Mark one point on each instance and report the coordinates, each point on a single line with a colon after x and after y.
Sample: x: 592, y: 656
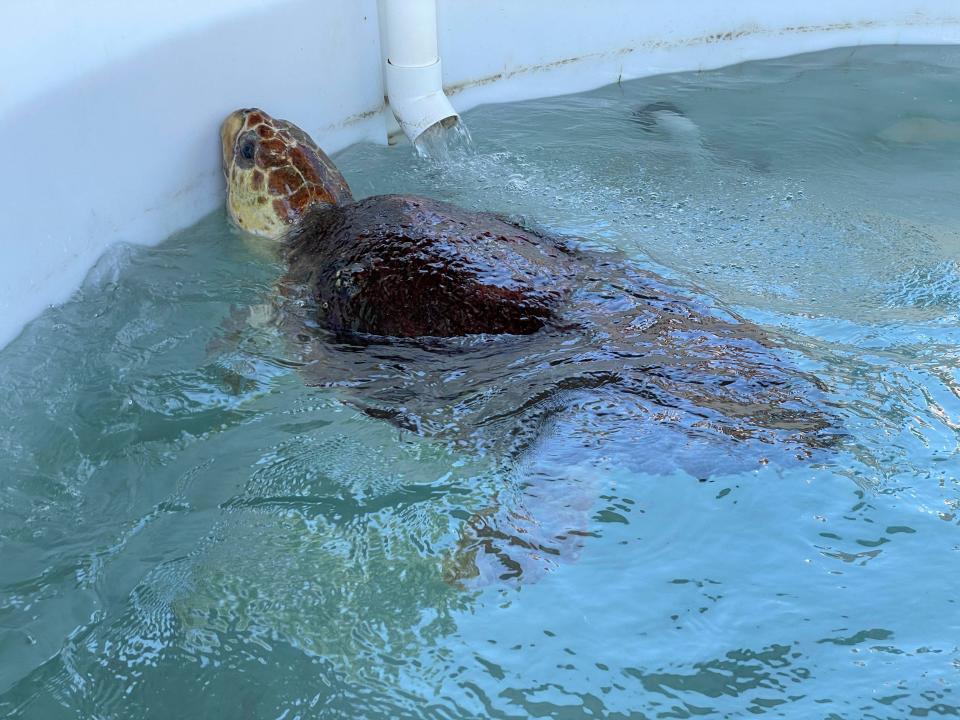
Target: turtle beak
x: 229, y: 130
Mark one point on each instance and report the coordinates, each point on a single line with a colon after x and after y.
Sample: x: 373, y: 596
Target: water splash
x: 445, y: 143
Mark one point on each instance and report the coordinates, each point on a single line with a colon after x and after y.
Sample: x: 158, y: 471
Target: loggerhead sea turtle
x: 465, y: 326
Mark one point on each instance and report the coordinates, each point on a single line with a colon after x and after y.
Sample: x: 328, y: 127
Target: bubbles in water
x: 934, y: 286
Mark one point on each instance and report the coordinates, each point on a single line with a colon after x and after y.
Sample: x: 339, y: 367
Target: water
x: 190, y: 528
x: 445, y: 143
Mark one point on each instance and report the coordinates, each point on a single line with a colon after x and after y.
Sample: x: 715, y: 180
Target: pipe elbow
x: 416, y: 96
x: 413, y: 80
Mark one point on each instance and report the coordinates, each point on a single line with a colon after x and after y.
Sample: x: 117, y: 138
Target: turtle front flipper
x: 522, y: 539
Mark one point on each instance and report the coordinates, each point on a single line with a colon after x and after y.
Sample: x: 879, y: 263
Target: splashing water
x: 445, y: 144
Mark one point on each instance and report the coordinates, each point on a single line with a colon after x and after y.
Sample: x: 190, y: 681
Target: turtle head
x: 275, y: 172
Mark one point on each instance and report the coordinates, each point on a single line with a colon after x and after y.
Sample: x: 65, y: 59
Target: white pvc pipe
x: 413, y: 76
x: 411, y: 32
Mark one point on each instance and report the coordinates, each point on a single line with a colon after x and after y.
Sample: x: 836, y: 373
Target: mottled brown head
x: 274, y: 173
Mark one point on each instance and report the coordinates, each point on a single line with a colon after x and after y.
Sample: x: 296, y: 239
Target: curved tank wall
x: 110, y: 108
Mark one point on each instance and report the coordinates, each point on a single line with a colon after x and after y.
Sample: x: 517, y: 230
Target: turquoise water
x: 189, y: 528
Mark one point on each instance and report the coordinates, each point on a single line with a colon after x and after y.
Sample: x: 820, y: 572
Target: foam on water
x: 191, y: 525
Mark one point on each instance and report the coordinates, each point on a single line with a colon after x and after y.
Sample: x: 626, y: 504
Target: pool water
x: 189, y: 527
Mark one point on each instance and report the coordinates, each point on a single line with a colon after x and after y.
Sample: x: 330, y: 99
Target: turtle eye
x: 246, y: 149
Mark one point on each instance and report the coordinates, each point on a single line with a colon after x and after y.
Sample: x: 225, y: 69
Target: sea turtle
x: 468, y: 327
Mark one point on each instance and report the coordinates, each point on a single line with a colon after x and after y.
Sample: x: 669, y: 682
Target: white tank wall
x: 110, y: 108
x: 546, y: 47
